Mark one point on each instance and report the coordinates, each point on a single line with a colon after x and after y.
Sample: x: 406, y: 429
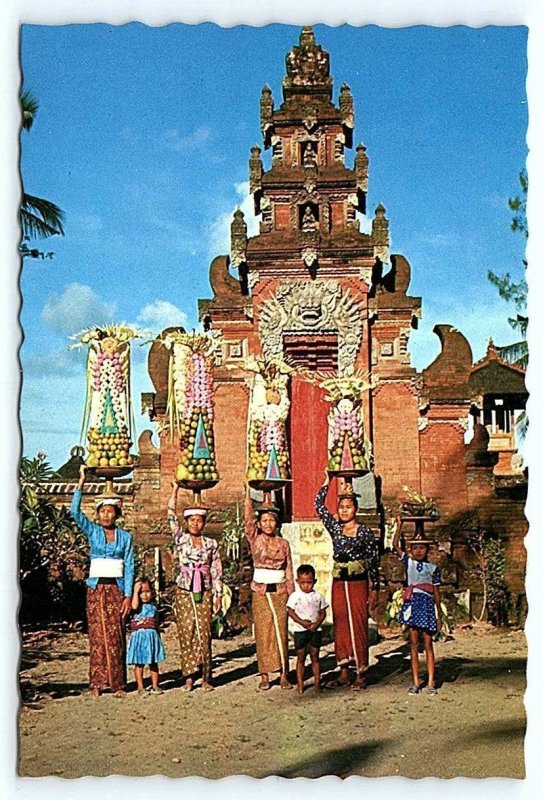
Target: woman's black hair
x: 350, y: 497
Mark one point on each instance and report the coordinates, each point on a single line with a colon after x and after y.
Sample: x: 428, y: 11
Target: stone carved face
x: 320, y: 306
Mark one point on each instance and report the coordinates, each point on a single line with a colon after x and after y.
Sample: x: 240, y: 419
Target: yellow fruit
x: 104, y: 462
x: 113, y: 462
x: 182, y: 473
x: 92, y: 461
x: 123, y: 462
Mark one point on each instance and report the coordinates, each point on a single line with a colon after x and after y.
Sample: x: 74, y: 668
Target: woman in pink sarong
x: 198, y: 592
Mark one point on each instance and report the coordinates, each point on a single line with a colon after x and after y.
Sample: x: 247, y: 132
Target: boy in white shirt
x: 307, y: 611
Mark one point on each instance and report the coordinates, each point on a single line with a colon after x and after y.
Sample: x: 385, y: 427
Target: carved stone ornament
x: 266, y: 108
x: 365, y: 274
x: 238, y: 239
x: 307, y: 64
x: 256, y: 169
x: 302, y: 307
x: 309, y: 255
x: 346, y: 106
x: 252, y: 278
x: 310, y: 120
x: 361, y: 166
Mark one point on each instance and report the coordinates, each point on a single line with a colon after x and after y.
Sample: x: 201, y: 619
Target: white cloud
x: 219, y: 231
x: 162, y: 314
x: 88, y: 222
x: 177, y: 141
x: 77, y: 307
x: 57, y: 362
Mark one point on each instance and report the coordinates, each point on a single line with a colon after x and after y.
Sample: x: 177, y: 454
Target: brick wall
x: 443, y: 466
x: 396, y: 437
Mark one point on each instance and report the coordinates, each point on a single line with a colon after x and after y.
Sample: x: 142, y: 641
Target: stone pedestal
x: 310, y: 543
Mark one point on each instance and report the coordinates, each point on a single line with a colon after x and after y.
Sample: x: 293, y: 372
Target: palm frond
x: 516, y: 353
x: 40, y: 218
x: 29, y: 106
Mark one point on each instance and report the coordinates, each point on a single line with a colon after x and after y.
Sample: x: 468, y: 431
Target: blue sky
x: 143, y: 138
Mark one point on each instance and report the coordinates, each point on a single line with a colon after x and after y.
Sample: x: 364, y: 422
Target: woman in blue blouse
x: 109, y: 590
x: 356, y: 559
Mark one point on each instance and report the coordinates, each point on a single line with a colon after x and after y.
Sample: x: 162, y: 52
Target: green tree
x: 52, y: 549
x: 516, y: 291
x: 40, y: 218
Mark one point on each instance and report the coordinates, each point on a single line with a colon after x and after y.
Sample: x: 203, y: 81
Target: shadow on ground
x: 342, y: 761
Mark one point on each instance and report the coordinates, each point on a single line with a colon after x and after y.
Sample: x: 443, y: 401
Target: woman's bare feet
x: 206, y: 686
x: 359, y: 683
x: 285, y: 683
x: 96, y: 692
x: 264, y: 684
x: 119, y: 693
x: 188, y: 685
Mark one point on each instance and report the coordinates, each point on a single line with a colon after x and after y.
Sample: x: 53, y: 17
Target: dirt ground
x: 474, y: 727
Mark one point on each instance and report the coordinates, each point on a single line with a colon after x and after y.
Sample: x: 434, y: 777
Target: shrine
x: 317, y: 291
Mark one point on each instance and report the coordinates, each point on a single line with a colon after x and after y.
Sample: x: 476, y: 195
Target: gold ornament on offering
x: 191, y: 407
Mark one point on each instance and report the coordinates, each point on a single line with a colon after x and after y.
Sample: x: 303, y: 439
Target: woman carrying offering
x: 356, y: 560
x: 272, y: 583
x: 109, y: 590
x: 199, y: 590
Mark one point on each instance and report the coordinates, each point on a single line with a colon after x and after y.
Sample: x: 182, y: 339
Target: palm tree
x: 40, y: 218
x: 516, y: 291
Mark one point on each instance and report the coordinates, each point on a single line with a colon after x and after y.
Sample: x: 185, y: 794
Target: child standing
x: 145, y: 645
x: 307, y: 610
x: 421, y: 599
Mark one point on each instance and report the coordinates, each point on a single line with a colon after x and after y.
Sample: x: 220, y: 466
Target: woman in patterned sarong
x: 272, y: 583
x: 109, y: 590
x: 198, y: 592
x: 356, y: 560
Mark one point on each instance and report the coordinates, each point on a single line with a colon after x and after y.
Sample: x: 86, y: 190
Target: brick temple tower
x: 307, y: 288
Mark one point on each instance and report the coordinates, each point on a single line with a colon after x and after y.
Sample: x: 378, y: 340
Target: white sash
x: 263, y: 575
x: 106, y: 568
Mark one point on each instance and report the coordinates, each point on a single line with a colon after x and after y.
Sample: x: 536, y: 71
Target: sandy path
x: 474, y: 727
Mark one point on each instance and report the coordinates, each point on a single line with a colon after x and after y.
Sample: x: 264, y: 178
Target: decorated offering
x: 190, y: 405
x: 418, y: 505
x: 348, y: 452
x: 267, y: 456
x: 107, y: 419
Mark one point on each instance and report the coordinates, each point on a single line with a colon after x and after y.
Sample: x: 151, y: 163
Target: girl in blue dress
x: 145, y: 645
x: 422, y: 600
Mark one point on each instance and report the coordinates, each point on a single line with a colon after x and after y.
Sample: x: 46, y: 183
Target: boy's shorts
x: 304, y: 639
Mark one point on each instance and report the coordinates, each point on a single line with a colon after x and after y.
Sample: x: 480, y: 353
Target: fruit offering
x: 349, y: 453
x: 107, y: 418
x: 267, y: 458
x: 346, y: 450
x: 190, y: 404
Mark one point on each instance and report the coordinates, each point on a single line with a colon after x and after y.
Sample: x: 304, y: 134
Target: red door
x: 308, y: 448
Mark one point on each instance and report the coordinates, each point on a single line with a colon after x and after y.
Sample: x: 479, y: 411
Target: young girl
x: 145, y: 645
x: 421, y: 599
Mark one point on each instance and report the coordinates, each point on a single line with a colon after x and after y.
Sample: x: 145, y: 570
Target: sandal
x: 156, y: 690
x: 358, y: 685
x: 413, y: 689
x: 207, y: 687
x: 263, y: 686
x: 431, y: 691
x: 335, y: 683
x: 286, y: 685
